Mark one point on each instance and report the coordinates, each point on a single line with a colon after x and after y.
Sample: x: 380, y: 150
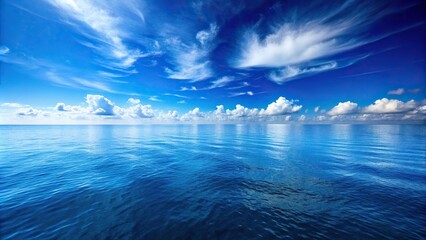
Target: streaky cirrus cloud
x: 307, y: 40
x: 398, y: 91
x: 191, y: 60
x: 4, y: 50
x: 100, y: 22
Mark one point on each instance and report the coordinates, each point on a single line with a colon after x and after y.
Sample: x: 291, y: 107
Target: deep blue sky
x: 181, y: 55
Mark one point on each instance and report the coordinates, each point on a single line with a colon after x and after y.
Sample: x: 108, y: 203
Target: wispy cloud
x: 304, y: 44
x: 192, y: 88
x: 176, y: 95
x: 398, y: 91
x: 291, y: 72
x: 221, y: 82
x: 414, y: 90
x: 13, y: 105
x: 191, y: 60
x: 76, y: 82
x: 154, y: 99
x: 100, y: 22
x: 249, y: 93
x: 241, y: 85
x: 4, y: 50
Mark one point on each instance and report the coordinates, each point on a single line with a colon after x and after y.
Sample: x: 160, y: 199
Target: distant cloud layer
x: 100, y: 109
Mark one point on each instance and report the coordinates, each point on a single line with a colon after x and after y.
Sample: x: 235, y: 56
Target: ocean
x: 213, y: 182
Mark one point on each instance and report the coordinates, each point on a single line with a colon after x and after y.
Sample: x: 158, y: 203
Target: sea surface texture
x: 213, y: 182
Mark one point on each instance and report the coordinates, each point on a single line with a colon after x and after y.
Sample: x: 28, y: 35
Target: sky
x: 134, y: 61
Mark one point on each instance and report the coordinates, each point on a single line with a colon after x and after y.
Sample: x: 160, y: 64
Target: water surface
x: 213, y: 182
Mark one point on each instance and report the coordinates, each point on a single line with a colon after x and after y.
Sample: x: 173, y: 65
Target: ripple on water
x: 212, y: 181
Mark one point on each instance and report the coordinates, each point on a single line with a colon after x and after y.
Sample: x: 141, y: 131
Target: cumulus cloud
x: 61, y: 107
x: 97, y: 107
x: 31, y: 112
x: 344, y: 108
x: 241, y: 111
x: 280, y: 107
x: 192, y: 115
x: 100, y: 105
x: 385, y: 105
x: 134, y: 101
x: 398, y: 91
x: 140, y: 111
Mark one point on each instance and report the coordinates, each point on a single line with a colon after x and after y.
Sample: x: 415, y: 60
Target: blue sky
x: 74, y: 61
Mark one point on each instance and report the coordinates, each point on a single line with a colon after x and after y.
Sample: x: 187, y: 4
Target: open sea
x: 213, y: 182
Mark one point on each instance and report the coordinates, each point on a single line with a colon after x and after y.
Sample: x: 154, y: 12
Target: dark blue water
x: 213, y: 182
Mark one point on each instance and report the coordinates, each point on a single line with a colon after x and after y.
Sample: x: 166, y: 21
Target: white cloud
x: 137, y: 110
x: 292, y: 44
x: 98, y: 108
x: 176, y: 95
x: 280, y: 107
x: 291, y: 72
x: 192, y: 115
x: 31, y: 112
x: 106, y: 27
x: 140, y: 111
x: 154, y: 99
x: 385, y: 105
x: 220, y: 109
x: 221, y: 82
x: 304, y: 41
x: 191, y: 60
x: 181, y: 102
x: 205, y: 36
x: 4, y: 50
x: 100, y: 105
x: 13, y: 105
x: 249, y: 93
x: 192, y: 88
x: 343, y: 108
x: 398, y: 91
x: 192, y: 64
x: 316, y: 109
x: 61, y: 107
x: 134, y: 101
x: 241, y: 111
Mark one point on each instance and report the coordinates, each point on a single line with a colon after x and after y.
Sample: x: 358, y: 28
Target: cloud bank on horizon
x: 342, y: 60
x: 99, y: 109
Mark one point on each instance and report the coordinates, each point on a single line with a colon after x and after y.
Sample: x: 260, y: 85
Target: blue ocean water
x: 213, y: 182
